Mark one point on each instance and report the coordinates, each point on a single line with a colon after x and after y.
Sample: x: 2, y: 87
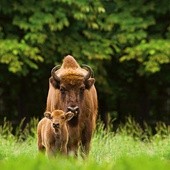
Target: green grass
x: 130, y: 148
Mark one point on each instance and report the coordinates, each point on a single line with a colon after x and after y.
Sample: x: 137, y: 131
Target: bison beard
x: 71, y: 88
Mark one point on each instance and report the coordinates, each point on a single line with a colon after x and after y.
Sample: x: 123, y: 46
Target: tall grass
x: 130, y: 147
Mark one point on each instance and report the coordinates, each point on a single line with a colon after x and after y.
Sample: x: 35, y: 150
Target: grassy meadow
x: 129, y: 148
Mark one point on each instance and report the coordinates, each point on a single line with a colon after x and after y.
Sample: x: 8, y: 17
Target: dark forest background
x: 127, y: 43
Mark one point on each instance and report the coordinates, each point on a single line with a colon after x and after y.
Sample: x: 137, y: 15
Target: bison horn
x: 53, y: 74
x: 90, y: 71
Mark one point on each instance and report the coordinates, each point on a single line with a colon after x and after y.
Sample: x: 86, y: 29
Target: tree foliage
x: 126, y: 42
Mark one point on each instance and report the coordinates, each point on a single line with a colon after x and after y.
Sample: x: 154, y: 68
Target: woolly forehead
x: 57, y: 113
x: 72, y: 77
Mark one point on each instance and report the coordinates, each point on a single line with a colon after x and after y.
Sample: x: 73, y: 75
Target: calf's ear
x: 89, y: 83
x: 69, y: 116
x: 48, y: 115
x: 55, y: 83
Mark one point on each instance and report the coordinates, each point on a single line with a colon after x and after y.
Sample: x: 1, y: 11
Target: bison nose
x: 75, y: 109
x: 56, y: 125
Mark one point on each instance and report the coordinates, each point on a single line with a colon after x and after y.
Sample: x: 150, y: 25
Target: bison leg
x: 51, y: 151
x: 64, y: 149
x: 41, y: 148
x: 85, y: 141
x: 72, y: 149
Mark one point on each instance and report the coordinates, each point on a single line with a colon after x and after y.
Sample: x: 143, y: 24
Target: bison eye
x: 82, y: 90
x: 62, y: 90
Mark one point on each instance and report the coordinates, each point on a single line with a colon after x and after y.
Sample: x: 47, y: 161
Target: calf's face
x: 58, y: 118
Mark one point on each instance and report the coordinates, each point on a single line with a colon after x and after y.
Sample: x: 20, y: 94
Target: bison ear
x: 69, y: 116
x: 48, y: 115
x: 55, y: 83
x: 89, y: 83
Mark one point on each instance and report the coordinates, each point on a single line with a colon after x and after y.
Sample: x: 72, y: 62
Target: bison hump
x: 70, y: 62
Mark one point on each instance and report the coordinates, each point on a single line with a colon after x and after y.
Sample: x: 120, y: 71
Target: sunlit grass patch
x: 142, y: 162
x: 123, y: 149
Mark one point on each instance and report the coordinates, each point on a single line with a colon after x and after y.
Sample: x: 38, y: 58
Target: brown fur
x: 52, y: 139
x: 68, y: 62
x: 81, y: 126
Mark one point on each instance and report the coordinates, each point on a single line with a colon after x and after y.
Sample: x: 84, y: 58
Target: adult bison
x: 71, y: 88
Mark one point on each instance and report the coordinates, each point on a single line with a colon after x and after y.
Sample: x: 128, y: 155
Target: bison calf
x: 53, y: 133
